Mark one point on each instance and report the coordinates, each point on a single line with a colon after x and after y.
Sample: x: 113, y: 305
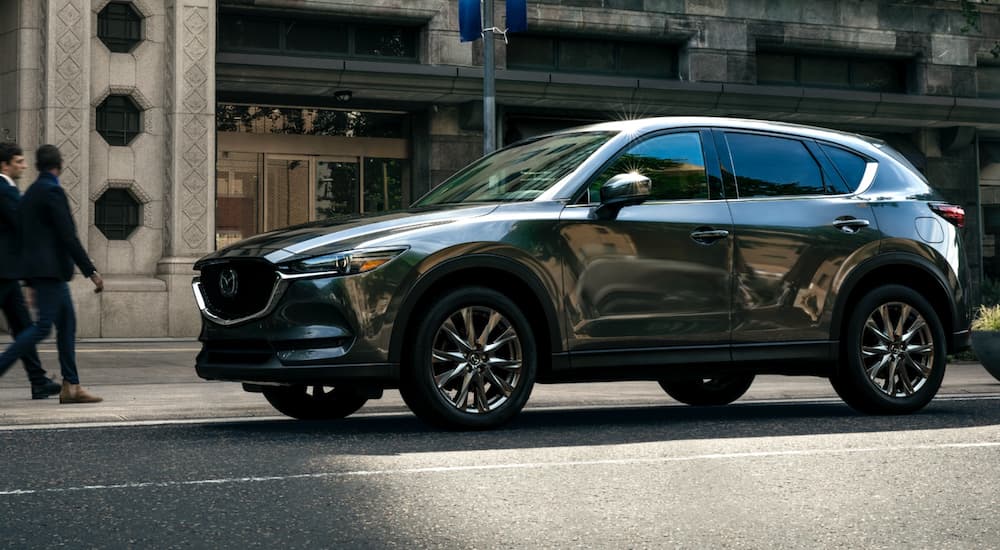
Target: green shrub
x: 988, y: 318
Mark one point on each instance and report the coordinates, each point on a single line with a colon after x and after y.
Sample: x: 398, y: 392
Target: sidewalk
x: 152, y: 380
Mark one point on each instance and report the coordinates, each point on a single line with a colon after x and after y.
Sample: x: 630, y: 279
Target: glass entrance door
x: 338, y: 187
x: 288, y: 198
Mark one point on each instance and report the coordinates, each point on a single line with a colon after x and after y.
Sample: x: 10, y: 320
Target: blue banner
x: 470, y: 21
x: 517, y: 15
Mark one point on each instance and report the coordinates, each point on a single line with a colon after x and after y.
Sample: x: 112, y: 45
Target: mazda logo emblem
x: 229, y: 283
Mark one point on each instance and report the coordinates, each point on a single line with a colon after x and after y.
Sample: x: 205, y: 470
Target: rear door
x: 796, y: 220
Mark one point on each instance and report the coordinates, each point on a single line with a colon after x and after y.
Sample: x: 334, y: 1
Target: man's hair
x: 8, y: 151
x: 47, y: 158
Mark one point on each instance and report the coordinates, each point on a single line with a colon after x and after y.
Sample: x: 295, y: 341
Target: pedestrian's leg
x: 66, y: 336
x: 19, y: 320
x: 48, y: 308
x: 66, y: 343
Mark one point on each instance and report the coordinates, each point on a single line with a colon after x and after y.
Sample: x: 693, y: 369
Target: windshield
x: 520, y: 172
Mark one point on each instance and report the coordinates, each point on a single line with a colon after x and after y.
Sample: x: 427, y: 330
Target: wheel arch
x: 503, y: 275
x: 903, y: 269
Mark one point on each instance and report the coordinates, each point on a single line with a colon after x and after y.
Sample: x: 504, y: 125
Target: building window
x: 119, y: 26
x: 832, y: 71
x: 988, y: 80
x: 580, y: 55
x: 118, y: 119
x: 243, y: 32
x: 266, y: 119
x: 116, y: 214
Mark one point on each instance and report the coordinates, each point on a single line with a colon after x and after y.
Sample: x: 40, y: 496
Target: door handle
x: 850, y: 225
x: 708, y: 236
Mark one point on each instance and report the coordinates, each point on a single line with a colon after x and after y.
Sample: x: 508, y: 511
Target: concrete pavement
x: 154, y: 380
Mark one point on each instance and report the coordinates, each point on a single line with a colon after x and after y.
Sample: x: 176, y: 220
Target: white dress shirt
x: 8, y: 180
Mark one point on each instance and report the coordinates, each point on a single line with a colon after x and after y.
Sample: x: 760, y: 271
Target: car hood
x: 343, y: 233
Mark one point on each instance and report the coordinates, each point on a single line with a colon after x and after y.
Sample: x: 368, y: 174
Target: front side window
x: 521, y: 172
x: 768, y: 166
x: 674, y: 164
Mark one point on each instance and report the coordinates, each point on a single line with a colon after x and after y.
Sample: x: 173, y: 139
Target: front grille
x: 237, y: 288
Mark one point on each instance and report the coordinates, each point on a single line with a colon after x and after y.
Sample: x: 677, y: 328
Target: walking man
x: 49, y: 247
x: 12, y: 165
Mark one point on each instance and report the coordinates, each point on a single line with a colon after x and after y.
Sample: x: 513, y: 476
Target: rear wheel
x: 316, y: 402
x: 703, y: 392
x: 473, y: 361
x: 894, y: 353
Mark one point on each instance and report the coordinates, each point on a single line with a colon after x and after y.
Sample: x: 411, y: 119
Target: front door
x: 659, y: 274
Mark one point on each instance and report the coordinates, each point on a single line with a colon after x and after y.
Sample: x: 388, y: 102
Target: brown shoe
x: 73, y: 393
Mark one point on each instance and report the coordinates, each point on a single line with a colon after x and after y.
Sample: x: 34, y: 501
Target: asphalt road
x: 753, y: 475
x: 172, y: 461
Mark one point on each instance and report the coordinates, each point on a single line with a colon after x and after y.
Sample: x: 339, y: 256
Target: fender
x: 490, y: 261
x: 889, y: 258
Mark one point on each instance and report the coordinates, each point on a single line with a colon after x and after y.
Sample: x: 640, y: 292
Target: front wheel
x: 707, y: 392
x: 315, y: 402
x: 473, y: 361
x: 894, y: 353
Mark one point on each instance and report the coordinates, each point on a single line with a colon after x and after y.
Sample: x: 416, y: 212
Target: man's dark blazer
x: 48, y: 244
x: 8, y: 229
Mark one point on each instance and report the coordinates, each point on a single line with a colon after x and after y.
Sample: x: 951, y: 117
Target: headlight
x: 342, y: 263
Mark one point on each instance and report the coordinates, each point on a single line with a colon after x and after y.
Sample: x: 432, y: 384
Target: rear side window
x: 851, y: 166
x: 674, y: 164
x: 768, y: 166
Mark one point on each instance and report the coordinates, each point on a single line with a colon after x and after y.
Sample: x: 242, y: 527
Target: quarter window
x: 674, y: 164
x: 851, y: 166
x: 768, y: 166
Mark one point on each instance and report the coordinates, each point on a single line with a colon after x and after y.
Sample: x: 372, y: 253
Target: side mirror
x: 621, y: 191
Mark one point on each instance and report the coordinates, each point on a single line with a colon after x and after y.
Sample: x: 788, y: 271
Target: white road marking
x: 513, y: 466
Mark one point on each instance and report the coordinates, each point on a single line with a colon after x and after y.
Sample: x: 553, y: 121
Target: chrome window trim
x: 871, y: 169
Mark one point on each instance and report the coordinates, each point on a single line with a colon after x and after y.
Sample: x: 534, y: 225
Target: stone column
x: 189, y: 201
x: 65, y: 122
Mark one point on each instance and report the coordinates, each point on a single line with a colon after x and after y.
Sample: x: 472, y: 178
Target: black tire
x: 513, y: 362
x: 708, y: 392
x: 315, y: 402
x: 864, y: 364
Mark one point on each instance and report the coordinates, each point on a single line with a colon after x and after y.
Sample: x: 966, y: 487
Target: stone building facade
x: 240, y: 116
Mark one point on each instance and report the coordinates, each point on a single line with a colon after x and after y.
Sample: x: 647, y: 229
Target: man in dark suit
x: 49, y: 247
x: 12, y: 165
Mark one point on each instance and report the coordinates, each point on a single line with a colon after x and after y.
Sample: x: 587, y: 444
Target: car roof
x: 643, y: 125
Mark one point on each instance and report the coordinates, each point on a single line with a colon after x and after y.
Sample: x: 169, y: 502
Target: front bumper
x: 273, y: 371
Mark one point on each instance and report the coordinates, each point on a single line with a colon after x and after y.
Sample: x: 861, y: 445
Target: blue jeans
x: 55, y: 308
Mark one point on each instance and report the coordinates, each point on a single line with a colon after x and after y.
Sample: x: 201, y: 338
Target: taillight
x: 953, y: 213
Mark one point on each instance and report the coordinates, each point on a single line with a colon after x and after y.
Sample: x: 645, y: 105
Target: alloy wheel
x: 897, y: 349
x: 476, y: 359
